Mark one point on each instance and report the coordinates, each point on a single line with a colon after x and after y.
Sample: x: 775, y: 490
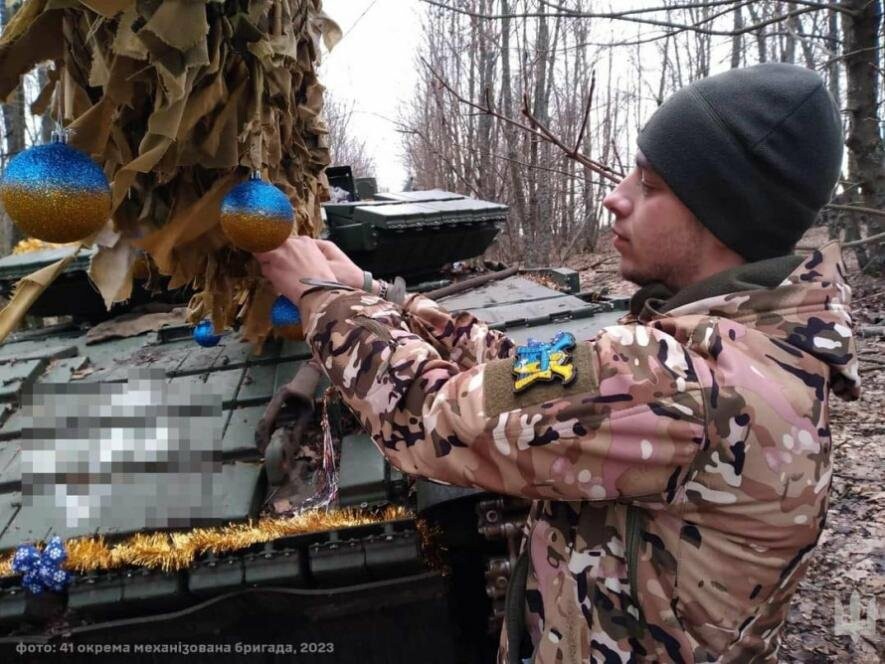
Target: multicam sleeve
x: 459, y: 336
x: 630, y: 425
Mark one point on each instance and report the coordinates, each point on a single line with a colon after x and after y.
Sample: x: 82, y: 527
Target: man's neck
x: 747, y: 276
x: 767, y: 273
x: 712, y: 266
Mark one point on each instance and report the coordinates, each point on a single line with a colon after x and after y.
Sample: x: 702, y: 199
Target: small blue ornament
x: 56, y: 193
x: 41, y: 571
x: 204, y: 334
x: 284, y: 312
x: 256, y: 216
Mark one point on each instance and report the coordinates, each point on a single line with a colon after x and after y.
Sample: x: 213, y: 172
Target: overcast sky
x: 373, y: 66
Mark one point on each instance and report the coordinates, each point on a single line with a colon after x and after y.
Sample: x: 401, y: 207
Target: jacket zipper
x: 631, y: 546
x: 514, y: 606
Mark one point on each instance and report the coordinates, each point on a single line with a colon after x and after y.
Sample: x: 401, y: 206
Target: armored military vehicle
x: 421, y: 578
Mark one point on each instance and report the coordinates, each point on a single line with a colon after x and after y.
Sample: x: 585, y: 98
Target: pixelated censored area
x: 141, y: 454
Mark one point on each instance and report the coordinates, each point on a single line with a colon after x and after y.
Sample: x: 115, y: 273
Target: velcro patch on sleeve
x: 498, y: 379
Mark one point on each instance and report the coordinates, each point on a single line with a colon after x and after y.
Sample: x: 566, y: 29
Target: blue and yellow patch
x: 545, y: 362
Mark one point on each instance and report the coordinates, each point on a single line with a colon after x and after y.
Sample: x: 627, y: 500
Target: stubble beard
x: 676, y: 272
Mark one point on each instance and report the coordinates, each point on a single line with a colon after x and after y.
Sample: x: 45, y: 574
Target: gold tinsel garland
x: 33, y: 244
x: 171, y: 551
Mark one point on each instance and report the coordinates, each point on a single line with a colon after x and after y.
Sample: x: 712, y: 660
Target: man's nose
x: 618, y: 202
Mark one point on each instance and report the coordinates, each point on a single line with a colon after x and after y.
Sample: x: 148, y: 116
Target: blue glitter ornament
x: 256, y: 216
x: 41, y: 571
x: 204, y: 334
x: 56, y: 193
x: 284, y: 312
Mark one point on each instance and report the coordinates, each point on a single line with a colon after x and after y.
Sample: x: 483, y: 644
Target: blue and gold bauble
x: 204, y: 334
x: 256, y: 216
x: 286, y: 318
x: 56, y: 193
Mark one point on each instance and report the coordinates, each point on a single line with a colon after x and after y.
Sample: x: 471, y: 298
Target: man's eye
x: 646, y: 189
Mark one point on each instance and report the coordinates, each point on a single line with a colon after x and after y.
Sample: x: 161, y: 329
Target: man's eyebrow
x: 642, y: 161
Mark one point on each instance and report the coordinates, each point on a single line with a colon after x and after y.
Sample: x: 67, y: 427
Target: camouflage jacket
x: 680, y: 482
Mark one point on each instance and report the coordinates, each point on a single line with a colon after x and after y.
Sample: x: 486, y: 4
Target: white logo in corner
x: 853, y: 625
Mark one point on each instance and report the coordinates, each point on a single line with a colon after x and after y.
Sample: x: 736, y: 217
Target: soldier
x: 680, y: 460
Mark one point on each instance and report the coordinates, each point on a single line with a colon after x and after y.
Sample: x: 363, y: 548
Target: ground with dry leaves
x: 850, y: 553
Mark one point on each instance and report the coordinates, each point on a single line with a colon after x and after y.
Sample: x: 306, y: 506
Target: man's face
x: 659, y: 239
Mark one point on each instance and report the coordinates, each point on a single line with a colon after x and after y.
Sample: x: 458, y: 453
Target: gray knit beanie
x: 754, y: 153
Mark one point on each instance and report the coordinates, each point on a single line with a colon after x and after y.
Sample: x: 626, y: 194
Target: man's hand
x: 346, y: 271
x: 296, y: 259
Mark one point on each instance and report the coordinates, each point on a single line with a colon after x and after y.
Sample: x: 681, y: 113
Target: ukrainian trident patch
x: 540, y: 361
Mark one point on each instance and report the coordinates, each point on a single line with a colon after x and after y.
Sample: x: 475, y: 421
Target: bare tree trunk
x: 835, y: 219
x: 540, y: 156
x: 13, y: 141
x: 533, y: 252
x: 760, y: 33
x: 703, y: 45
x: 510, y: 137
x: 866, y: 163
x: 789, y: 52
x: 485, y: 179
x: 736, y: 41
x: 833, y: 66
x: 796, y: 29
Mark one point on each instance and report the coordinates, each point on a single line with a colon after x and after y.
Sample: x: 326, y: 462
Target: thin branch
x: 647, y: 40
x: 617, y: 153
x: 837, y: 58
x: 495, y: 155
x: 550, y: 137
x: 541, y: 132
x: 586, y: 110
x: 628, y: 16
x: 873, y: 238
x: 642, y: 10
x: 857, y: 209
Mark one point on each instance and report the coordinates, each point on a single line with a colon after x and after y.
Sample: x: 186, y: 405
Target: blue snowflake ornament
x: 41, y: 571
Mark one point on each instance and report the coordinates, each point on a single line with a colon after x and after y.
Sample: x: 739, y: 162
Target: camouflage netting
x: 179, y: 100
